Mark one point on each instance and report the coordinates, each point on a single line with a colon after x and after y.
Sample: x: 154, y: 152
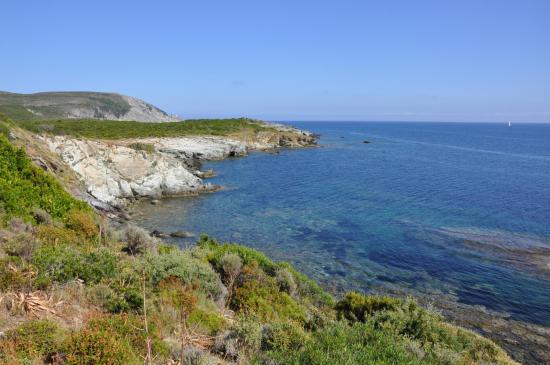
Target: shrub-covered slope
x: 48, y: 105
x: 74, y: 290
x: 109, y: 129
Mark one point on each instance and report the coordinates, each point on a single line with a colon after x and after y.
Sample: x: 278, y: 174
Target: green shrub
x: 283, y: 337
x: 357, y: 307
x: 24, y: 187
x: 63, y: 263
x: 248, y: 256
x: 286, y: 281
x: 83, y: 224
x: 182, y: 265
x: 4, y: 129
x: 130, y: 329
x: 140, y: 146
x: 258, y: 294
x: 308, y: 289
x: 248, y: 333
x: 127, y: 299
x: 407, y: 319
x: 98, y: 347
x: 35, y: 338
x: 212, y: 322
x: 53, y: 235
x: 340, y: 344
x: 100, y: 294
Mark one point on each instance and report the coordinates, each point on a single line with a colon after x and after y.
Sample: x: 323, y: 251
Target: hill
x: 78, y: 105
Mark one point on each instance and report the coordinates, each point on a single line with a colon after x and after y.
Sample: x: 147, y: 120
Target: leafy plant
x: 34, y: 339
x: 98, y: 347
x: 140, y: 146
x: 357, y: 307
x: 24, y: 187
x: 63, y: 263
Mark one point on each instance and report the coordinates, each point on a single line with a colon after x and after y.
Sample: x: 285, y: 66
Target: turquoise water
x: 461, y: 210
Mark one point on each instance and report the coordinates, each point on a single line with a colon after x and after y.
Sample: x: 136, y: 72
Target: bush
x: 140, y: 146
x: 357, y: 307
x: 182, y: 265
x: 83, y: 224
x: 127, y: 299
x: 212, y: 322
x: 137, y: 240
x: 98, y: 347
x: 41, y: 216
x: 23, y: 245
x: 34, y: 338
x: 64, y: 263
x: 248, y: 333
x: 286, y: 281
x: 52, y: 235
x: 248, y: 255
x: 307, y: 289
x: 340, y: 344
x: 100, y: 294
x: 178, y: 295
x: 130, y: 329
x: 4, y: 129
x: 259, y: 295
x: 231, y: 265
x: 24, y: 187
x: 283, y: 336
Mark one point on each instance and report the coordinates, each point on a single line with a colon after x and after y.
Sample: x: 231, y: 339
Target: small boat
x: 509, y: 124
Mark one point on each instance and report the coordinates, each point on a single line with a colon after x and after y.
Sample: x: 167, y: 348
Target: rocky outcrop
x: 115, y: 172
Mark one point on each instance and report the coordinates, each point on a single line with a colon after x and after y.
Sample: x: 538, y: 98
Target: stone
x: 182, y: 234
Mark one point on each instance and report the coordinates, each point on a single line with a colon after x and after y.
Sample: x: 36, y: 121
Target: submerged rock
x: 182, y: 234
x: 158, y: 234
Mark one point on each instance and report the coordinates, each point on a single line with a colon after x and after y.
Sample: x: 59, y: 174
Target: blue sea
x: 459, y: 210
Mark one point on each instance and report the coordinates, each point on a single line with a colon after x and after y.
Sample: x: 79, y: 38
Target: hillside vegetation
x: 53, y: 105
x: 75, y: 290
x: 108, y: 129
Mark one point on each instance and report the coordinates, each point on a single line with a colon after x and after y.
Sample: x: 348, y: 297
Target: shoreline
x: 114, y: 174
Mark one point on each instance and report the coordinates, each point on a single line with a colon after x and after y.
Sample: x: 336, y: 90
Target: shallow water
x: 457, y: 209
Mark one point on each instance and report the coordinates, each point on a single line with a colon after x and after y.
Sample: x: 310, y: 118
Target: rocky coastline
x: 114, y: 173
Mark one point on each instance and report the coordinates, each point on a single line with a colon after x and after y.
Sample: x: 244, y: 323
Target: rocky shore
x: 115, y: 172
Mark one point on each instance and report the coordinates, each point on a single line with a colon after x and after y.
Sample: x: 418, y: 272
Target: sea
x: 454, y: 210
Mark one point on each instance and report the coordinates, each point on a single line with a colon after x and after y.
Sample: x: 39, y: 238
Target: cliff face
x: 114, y: 172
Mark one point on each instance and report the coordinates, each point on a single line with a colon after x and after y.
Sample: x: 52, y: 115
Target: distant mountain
x: 72, y: 105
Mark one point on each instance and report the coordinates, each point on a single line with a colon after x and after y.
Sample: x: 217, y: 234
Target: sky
x: 439, y: 60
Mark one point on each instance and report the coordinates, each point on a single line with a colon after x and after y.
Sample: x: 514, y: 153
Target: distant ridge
x: 80, y: 104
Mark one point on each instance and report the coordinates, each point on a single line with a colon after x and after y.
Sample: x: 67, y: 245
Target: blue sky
x: 463, y: 60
